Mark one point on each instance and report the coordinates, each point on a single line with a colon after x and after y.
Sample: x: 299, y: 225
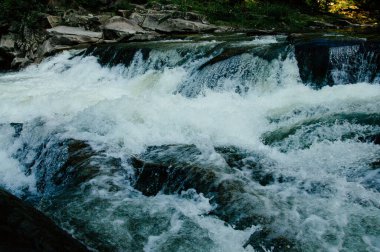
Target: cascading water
x: 232, y: 144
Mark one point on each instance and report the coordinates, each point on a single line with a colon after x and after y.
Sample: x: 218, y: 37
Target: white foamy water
x: 324, y: 202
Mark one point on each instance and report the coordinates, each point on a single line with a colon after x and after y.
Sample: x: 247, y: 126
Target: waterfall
x: 216, y: 144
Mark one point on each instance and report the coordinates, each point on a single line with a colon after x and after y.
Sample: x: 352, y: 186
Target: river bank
x: 63, y: 29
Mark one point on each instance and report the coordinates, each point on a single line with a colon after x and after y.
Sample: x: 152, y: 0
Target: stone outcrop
x: 72, y: 29
x: 23, y: 228
x: 65, y: 37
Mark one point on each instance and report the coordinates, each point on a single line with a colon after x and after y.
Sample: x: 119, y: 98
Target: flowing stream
x: 227, y: 143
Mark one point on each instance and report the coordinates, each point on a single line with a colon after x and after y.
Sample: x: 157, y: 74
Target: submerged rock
x: 173, y: 169
x: 23, y: 228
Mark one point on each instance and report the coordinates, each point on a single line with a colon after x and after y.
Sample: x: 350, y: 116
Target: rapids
x: 203, y: 144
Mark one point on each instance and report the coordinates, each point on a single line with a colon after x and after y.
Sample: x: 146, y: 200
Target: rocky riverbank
x: 80, y: 28
x: 65, y: 29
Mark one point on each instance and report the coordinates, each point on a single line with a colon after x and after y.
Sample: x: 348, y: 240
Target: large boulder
x: 23, y: 228
x: 67, y: 37
x: 118, y: 28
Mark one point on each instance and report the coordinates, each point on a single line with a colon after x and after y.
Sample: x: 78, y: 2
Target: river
x: 226, y: 143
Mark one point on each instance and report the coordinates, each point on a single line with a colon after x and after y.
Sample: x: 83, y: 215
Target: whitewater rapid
x: 328, y: 201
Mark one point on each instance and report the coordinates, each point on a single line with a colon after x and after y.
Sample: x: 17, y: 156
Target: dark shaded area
x: 5, y: 60
x: 24, y: 229
x: 115, y: 54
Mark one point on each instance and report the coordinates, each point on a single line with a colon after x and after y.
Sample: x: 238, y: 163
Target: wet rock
x: 68, y: 163
x: 20, y: 62
x: 225, y: 54
x: 375, y: 164
x: 150, y: 178
x: 59, y: 165
x: 375, y: 139
x: 23, y: 228
x: 119, y: 28
x: 115, y: 54
x: 237, y: 206
x: 276, y: 243
x: 18, y: 128
x: 157, y: 172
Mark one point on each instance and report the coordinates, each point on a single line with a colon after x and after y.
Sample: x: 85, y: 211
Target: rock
x: 66, y: 37
x: 119, y: 28
x: 162, y: 170
x: 124, y: 13
x: 49, y: 47
x: 169, y: 19
x: 275, y: 242
x: 23, y: 228
x: 75, y: 31
x: 138, y: 18
x: 19, y: 62
x: 375, y: 164
x: 54, y: 21
x: 322, y: 24
x: 88, y: 21
x: 344, y: 23
x: 7, y: 42
x: 157, y: 22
